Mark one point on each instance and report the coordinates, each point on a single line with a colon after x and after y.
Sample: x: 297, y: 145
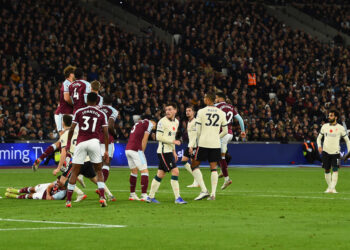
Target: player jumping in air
x: 332, y: 133
x: 135, y: 153
x: 210, y: 121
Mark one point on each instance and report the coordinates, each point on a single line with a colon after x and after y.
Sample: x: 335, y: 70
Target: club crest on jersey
x: 330, y: 130
x: 174, y: 128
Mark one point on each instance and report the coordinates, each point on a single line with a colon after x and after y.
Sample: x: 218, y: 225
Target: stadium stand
x: 297, y: 78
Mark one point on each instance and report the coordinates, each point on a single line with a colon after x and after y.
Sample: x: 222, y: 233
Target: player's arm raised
x: 319, y: 138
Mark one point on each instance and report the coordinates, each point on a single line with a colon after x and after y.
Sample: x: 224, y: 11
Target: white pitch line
x: 63, y: 223
x: 47, y: 228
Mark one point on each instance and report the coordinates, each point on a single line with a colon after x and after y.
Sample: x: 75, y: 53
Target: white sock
x: 71, y: 187
x: 197, y: 174
x: 334, y: 179
x: 328, y: 178
x: 176, y: 188
x: 100, y: 184
x: 78, y: 190
x: 214, y: 182
x: 105, y: 167
x: 108, y: 191
x: 154, y: 188
x: 227, y: 178
x: 189, y: 169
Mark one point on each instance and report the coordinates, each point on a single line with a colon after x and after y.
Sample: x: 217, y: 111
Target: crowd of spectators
x: 298, y: 78
x: 336, y: 15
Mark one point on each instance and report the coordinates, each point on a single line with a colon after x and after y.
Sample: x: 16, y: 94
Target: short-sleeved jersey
x: 332, y: 135
x: 111, y: 113
x: 64, y: 107
x: 91, y: 121
x: 192, y: 133
x: 136, y: 134
x: 230, y: 112
x: 166, y: 132
x: 64, y: 140
x: 209, y: 122
x: 77, y: 91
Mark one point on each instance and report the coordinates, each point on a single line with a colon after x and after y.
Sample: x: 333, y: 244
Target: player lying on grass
x: 47, y: 191
x: 65, y: 165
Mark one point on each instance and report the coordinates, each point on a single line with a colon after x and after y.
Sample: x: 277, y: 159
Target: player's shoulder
x: 81, y: 109
x: 84, y: 81
x: 176, y: 121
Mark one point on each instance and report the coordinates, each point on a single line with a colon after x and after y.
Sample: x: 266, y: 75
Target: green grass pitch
x: 264, y: 208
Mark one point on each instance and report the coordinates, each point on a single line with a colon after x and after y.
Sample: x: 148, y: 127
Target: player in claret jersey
x: 95, y: 87
x: 90, y: 121
x: 112, y: 115
x: 136, y: 158
x: 230, y: 113
x: 78, y: 90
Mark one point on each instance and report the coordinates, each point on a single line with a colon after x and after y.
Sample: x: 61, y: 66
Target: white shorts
x: 224, y: 141
x: 59, y: 122
x: 89, y: 148
x: 136, y: 159
x: 39, y: 191
x: 110, y: 149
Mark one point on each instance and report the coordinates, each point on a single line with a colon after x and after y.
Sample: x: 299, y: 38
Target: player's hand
x: 243, y: 134
x: 320, y: 150
x: 177, y: 142
x: 176, y: 157
x: 190, y: 150
x: 55, y: 171
x: 106, y: 157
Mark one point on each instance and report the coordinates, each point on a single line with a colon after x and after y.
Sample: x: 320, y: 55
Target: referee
x: 332, y: 133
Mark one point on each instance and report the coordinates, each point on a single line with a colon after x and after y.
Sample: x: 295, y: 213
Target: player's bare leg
x: 100, y: 183
x: 197, y: 174
x: 214, y: 180
x: 72, y: 181
x: 224, y: 169
x: 184, y: 162
x: 174, y: 181
x: 48, y: 151
x: 155, y: 186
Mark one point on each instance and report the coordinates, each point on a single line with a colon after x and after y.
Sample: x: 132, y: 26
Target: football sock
x: 101, y: 189
x: 189, y: 169
x: 23, y: 196
x: 197, y: 174
x: 214, y: 181
x: 144, y: 183
x: 78, y: 191
x: 105, y: 172
x: 154, y: 186
x: 107, y: 190
x: 49, y: 150
x: 175, y: 185
x: 133, y: 180
x: 334, y: 179
x: 70, y: 190
x: 24, y: 190
x: 223, y: 166
x: 328, y: 178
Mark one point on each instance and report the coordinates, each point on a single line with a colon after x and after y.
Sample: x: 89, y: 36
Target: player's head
x: 78, y: 73
x: 69, y: 72
x: 95, y: 86
x: 333, y: 116
x: 170, y: 110
x: 220, y: 97
x: 154, y: 123
x: 209, y: 98
x: 92, y: 99
x: 107, y: 100
x: 190, y: 112
x: 67, y: 121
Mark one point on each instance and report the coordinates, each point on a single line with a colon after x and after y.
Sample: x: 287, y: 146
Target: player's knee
x: 145, y: 171
x: 327, y: 171
x: 134, y: 171
x: 175, y: 172
x: 335, y: 169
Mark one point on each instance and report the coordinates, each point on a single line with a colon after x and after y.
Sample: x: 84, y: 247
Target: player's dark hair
x: 335, y: 112
x: 107, y: 99
x: 78, y: 73
x: 190, y: 107
x: 68, y: 70
x: 67, y: 119
x: 173, y: 104
x: 220, y: 95
x: 210, y: 96
x: 92, y: 98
